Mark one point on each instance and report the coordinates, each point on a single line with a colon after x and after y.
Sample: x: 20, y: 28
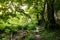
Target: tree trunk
x: 51, y: 24
x: 50, y: 11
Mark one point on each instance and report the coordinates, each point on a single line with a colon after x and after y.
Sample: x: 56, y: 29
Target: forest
x: 29, y: 19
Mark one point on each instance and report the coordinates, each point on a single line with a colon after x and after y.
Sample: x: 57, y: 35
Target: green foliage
x: 22, y: 15
x: 7, y: 31
x: 29, y: 37
x: 57, y: 5
x: 48, y: 35
x: 19, y: 15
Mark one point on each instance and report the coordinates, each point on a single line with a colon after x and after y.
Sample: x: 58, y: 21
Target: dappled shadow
x: 53, y: 27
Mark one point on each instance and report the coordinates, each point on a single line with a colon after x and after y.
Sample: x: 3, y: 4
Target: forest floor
x: 31, y: 35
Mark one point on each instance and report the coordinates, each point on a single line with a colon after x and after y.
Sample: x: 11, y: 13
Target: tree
x: 50, y: 10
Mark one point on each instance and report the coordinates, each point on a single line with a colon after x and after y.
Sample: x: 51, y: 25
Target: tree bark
x: 50, y: 11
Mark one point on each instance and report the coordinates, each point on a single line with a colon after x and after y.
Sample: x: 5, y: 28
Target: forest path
x: 22, y: 34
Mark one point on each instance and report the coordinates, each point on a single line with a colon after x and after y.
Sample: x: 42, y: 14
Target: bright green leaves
x: 20, y: 13
x: 2, y: 26
x: 13, y: 20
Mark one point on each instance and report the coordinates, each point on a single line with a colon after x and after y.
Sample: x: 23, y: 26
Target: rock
x: 37, y: 37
